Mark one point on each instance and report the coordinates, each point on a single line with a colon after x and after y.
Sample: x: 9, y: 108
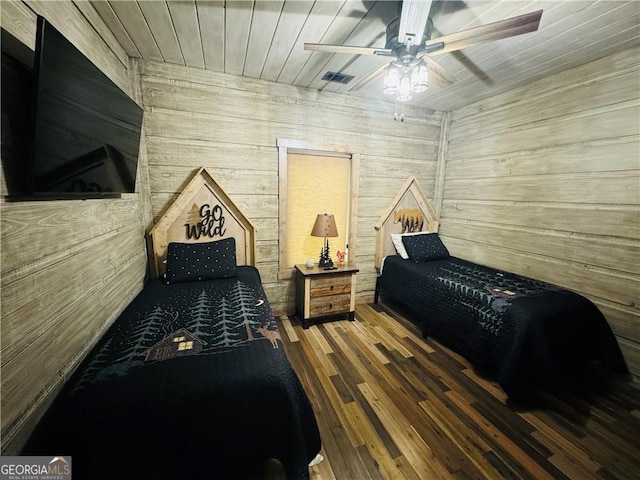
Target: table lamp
x: 325, y: 226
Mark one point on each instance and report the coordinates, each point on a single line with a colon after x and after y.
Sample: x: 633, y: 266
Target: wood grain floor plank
x: 380, y: 429
x: 626, y: 452
x: 391, y: 405
x: 334, y: 403
x: 491, y: 388
x: 388, y: 341
x: 288, y: 328
x: 306, y: 342
x: 504, y: 468
x: 447, y: 375
x: 573, y: 466
x: 417, y: 453
x: 355, y: 465
x: 323, y: 470
x: 561, y: 441
x: 298, y: 356
x: 345, y: 368
x: 617, y: 471
x: 359, y: 429
x: 315, y: 353
x: 507, y: 443
x: 369, y: 463
x: 314, y: 330
x: 374, y: 358
x: 446, y: 451
x: 405, y: 470
x: 467, y: 442
x: 333, y: 453
x: 389, y: 325
x: 341, y: 389
x: 520, y: 430
x: 420, y: 375
x: 372, y: 441
x: 365, y: 367
x: 368, y: 343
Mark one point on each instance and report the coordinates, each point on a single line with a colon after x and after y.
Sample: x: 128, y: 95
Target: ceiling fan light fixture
x: 391, y: 81
x: 406, y: 79
x: 404, y: 89
x: 419, y: 78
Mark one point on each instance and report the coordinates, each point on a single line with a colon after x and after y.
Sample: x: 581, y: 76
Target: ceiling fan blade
x: 413, y: 20
x: 369, y: 78
x: 353, y: 50
x: 494, y: 31
x: 438, y: 74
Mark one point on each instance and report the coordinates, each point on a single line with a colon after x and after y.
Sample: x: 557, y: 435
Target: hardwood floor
x: 391, y: 405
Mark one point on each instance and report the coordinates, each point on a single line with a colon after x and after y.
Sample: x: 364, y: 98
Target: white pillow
x: 396, y: 238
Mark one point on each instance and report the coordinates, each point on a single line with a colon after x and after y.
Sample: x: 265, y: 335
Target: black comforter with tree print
x: 530, y: 334
x: 191, y: 380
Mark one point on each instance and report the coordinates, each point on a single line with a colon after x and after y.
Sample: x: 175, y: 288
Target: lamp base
x: 325, y: 262
x: 325, y: 259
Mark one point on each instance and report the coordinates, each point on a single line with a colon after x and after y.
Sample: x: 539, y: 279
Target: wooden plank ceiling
x: 264, y: 39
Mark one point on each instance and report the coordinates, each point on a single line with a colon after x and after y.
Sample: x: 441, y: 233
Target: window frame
x: 285, y: 147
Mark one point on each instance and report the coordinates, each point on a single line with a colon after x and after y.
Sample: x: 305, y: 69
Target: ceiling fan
x: 409, y: 43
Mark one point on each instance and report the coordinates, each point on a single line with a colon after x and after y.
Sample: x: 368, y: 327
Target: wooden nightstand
x: 324, y: 293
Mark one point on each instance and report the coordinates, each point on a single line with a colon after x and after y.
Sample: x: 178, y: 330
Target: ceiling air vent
x: 337, y: 77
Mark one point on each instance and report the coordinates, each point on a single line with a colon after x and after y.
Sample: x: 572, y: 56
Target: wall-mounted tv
x: 86, y: 130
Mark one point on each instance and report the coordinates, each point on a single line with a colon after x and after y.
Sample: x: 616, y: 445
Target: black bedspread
x: 190, y: 380
x: 526, y: 332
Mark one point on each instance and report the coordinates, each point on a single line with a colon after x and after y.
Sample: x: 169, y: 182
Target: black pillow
x: 422, y: 248
x: 187, y: 262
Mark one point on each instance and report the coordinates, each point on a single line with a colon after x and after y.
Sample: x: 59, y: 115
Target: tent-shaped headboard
x: 409, y: 211
x: 202, y: 212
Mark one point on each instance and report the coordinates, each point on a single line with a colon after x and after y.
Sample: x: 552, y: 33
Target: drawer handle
x: 331, y: 287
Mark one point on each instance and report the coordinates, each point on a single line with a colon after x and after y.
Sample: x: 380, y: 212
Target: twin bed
x: 192, y: 377
x: 529, y: 334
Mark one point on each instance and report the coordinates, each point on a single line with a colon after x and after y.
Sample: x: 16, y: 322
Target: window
x: 315, y: 179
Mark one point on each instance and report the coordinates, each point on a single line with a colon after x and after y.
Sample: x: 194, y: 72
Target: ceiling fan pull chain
x: 397, y: 117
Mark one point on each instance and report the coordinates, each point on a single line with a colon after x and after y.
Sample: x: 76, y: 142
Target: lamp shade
x: 325, y: 226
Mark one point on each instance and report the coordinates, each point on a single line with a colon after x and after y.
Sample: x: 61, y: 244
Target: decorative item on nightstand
x: 325, y: 226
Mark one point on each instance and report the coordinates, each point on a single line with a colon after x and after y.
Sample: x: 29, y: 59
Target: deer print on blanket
x: 272, y: 335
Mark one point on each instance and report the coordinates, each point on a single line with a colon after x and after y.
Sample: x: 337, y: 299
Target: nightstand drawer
x: 328, y: 305
x: 336, y: 285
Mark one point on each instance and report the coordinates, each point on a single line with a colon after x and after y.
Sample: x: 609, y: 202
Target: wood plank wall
x: 542, y: 181
x: 545, y: 181
x: 229, y: 125
x: 68, y: 268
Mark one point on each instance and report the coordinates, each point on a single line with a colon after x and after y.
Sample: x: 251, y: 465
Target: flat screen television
x: 86, y: 130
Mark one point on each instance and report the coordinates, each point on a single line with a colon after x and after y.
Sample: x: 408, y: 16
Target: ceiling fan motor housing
x: 404, y: 55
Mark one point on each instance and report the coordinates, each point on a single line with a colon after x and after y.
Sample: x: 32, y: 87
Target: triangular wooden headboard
x: 202, y: 212
x: 409, y: 205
